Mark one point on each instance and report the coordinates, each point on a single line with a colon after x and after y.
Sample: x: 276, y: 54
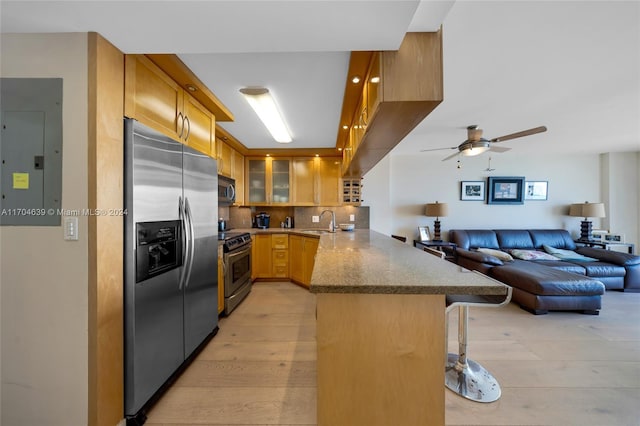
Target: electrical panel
x: 31, y: 151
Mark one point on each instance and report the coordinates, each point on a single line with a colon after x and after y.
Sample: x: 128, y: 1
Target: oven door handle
x: 241, y: 252
x: 189, y: 216
x: 186, y: 247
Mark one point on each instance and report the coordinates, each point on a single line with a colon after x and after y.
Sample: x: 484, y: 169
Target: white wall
x: 44, y: 292
x: 376, y: 191
x: 622, y: 171
x: 423, y: 178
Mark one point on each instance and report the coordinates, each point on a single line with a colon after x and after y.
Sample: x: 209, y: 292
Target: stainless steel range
x: 236, y: 262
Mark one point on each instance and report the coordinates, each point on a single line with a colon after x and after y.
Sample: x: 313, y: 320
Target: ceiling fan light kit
x: 476, y: 144
x: 473, y: 148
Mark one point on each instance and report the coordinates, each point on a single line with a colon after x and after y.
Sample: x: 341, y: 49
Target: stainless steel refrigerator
x: 170, y: 282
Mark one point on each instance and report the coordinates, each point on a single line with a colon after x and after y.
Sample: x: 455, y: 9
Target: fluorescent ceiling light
x: 263, y: 104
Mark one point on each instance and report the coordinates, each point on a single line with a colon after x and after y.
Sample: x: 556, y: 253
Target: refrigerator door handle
x: 192, y: 237
x: 186, y: 244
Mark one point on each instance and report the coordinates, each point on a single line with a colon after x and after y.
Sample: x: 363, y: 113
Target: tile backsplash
x: 241, y: 217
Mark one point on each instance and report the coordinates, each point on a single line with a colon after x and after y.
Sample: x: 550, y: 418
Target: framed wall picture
x: 425, y: 234
x: 472, y: 190
x: 614, y: 238
x: 505, y: 190
x: 535, y: 190
x: 598, y: 234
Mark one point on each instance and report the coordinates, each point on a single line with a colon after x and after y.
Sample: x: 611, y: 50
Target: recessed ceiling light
x: 345, y: 127
x: 355, y: 79
x: 375, y: 79
x: 265, y: 107
x: 191, y: 88
x: 339, y: 149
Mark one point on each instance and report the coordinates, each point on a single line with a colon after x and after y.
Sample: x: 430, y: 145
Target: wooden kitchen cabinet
x: 316, y: 181
x: 280, y: 255
x: 302, y: 252
x: 225, y: 158
x: 237, y: 172
x: 400, y: 89
x: 329, y: 179
x: 268, y: 181
x: 261, y: 256
x: 304, y: 181
x: 153, y: 98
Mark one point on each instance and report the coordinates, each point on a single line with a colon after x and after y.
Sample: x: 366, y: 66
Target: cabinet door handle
x: 188, y: 127
x: 181, y: 119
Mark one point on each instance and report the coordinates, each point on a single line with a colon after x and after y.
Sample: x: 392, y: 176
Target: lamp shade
x: 587, y: 209
x: 436, y: 209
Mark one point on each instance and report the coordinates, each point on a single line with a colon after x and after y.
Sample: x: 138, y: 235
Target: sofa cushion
x: 541, y: 280
x: 531, y: 255
x: 558, y: 238
x: 514, y: 239
x: 496, y: 253
x: 610, y: 256
x: 603, y: 269
x: 472, y: 238
x: 563, y: 266
x: 567, y: 254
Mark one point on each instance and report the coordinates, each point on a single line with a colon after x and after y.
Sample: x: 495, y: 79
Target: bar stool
x: 464, y: 376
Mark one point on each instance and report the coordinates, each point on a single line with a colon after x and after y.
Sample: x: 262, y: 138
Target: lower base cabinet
x: 302, y: 257
x: 261, y: 257
x: 283, y: 256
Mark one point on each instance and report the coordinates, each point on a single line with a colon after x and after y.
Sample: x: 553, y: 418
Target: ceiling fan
x: 476, y: 144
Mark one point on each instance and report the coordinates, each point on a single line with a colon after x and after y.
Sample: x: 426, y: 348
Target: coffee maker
x: 262, y: 220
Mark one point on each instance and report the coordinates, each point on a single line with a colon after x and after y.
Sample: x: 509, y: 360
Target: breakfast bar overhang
x: 381, y: 329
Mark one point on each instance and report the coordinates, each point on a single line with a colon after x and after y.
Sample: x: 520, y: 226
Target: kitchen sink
x: 315, y: 231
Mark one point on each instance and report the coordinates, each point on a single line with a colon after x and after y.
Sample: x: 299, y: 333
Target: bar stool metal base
x: 471, y: 380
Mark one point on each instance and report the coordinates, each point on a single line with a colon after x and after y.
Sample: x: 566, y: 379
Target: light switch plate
x: 352, y: 217
x: 315, y: 219
x: 71, y: 228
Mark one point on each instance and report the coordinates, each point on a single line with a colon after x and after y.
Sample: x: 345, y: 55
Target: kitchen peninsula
x: 381, y: 329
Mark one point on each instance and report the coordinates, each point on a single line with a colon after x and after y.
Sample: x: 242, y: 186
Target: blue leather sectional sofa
x: 574, y: 279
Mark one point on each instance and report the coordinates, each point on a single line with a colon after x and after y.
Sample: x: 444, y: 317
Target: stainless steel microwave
x: 226, y: 191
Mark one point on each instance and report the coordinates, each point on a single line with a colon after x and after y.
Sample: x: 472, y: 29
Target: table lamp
x: 436, y: 210
x: 586, y: 210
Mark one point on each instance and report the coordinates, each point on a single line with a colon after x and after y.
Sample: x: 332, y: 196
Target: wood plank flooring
x: 556, y: 369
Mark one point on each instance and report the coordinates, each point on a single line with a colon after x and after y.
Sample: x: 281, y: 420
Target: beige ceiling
x: 572, y: 66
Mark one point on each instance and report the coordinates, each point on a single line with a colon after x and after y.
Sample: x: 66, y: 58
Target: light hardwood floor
x: 555, y: 369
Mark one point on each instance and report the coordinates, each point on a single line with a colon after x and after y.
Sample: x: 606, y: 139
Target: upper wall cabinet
x: 155, y: 99
x: 268, y: 181
x: 231, y: 164
x: 400, y: 89
x: 316, y: 181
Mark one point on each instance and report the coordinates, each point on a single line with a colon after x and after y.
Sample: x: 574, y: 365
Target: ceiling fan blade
x: 520, y: 134
x: 438, y: 149
x: 499, y: 149
x: 451, y: 156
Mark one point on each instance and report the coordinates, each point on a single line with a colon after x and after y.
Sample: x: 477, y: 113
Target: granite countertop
x: 365, y: 261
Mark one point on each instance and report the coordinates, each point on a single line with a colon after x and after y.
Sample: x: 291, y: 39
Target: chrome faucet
x: 332, y: 225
